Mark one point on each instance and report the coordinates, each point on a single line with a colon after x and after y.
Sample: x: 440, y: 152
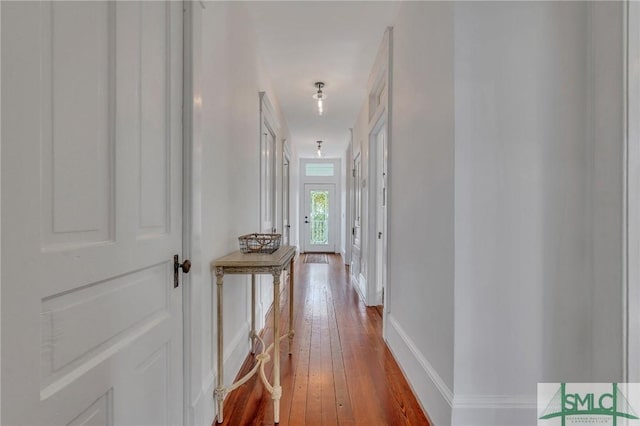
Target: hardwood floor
x: 340, y: 372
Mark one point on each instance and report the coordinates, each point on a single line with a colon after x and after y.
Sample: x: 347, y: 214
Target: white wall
x: 538, y: 203
x: 505, y: 202
x: 606, y: 188
x: 421, y: 234
x: 521, y: 203
x: 228, y: 77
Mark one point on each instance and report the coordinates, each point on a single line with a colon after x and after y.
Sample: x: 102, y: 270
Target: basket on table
x: 259, y: 243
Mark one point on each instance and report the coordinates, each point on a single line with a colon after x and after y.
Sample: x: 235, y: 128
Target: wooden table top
x: 237, y: 259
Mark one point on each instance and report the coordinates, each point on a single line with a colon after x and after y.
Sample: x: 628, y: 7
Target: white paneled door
x: 91, y: 213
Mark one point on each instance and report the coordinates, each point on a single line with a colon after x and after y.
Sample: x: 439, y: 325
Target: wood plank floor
x: 340, y: 372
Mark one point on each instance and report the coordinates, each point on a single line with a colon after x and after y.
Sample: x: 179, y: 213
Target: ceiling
x: 335, y: 42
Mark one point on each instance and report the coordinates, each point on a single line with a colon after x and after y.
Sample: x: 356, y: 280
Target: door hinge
x: 353, y: 172
x: 379, y: 235
x: 353, y: 231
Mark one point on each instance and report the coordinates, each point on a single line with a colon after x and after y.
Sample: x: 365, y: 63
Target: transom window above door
x: 319, y: 169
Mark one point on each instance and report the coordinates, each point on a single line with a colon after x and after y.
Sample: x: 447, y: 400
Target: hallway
x: 340, y: 372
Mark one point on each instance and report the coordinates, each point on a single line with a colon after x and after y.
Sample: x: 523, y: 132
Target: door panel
x: 91, y: 193
x: 286, y: 188
x: 381, y: 215
x: 268, y: 180
x: 319, y: 218
x: 356, y: 250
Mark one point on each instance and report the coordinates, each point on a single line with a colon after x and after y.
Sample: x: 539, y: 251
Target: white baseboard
x: 356, y: 284
x: 203, y: 408
x: 494, y: 410
x: 430, y: 389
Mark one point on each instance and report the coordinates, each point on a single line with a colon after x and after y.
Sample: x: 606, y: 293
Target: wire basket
x: 259, y: 243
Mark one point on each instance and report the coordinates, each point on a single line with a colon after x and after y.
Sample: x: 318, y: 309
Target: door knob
x: 185, y: 266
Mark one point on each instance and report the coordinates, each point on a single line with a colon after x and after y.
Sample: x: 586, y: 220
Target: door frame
x: 631, y: 197
x: 378, y: 248
x: 286, y: 190
x: 191, y: 119
x: 379, y: 89
x: 268, y: 125
x: 355, y: 190
x: 303, y: 179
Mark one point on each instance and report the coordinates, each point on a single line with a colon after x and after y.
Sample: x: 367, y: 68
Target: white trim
x: 374, y: 297
x: 625, y: 197
x: 202, y: 408
x: 495, y: 410
x: 378, y: 103
x: 348, y: 208
x: 268, y: 112
x: 444, y: 390
x: 388, y: 289
x: 356, y: 283
x: 268, y: 125
x: 631, y: 234
x: 433, y: 394
x: 187, y: 203
x: 0, y: 208
x: 495, y: 401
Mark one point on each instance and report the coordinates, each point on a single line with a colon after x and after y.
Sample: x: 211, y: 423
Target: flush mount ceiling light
x: 319, y: 96
x: 319, y: 148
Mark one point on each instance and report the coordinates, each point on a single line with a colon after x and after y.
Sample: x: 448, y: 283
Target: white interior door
x: 286, y: 188
x: 381, y: 215
x: 91, y: 195
x: 356, y: 231
x: 319, y: 218
x: 268, y: 179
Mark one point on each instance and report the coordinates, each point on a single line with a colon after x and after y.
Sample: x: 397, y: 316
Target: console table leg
x: 290, y: 305
x: 220, y: 387
x: 277, y: 389
x: 253, y: 313
x: 219, y: 395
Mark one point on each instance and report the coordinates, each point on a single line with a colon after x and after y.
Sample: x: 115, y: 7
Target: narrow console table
x: 273, y: 264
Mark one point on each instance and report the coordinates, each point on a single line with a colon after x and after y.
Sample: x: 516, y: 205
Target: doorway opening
x: 378, y: 205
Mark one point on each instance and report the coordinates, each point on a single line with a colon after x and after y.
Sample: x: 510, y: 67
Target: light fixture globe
x: 320, y: 96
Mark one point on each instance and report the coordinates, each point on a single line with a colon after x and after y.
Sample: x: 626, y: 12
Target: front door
x: 319, y: 218
x: 91, y: 213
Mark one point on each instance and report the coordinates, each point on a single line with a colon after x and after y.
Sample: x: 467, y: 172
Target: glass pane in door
x: 319, y: 217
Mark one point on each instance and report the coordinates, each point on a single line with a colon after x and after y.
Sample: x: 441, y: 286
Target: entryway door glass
x: 319, y: 218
